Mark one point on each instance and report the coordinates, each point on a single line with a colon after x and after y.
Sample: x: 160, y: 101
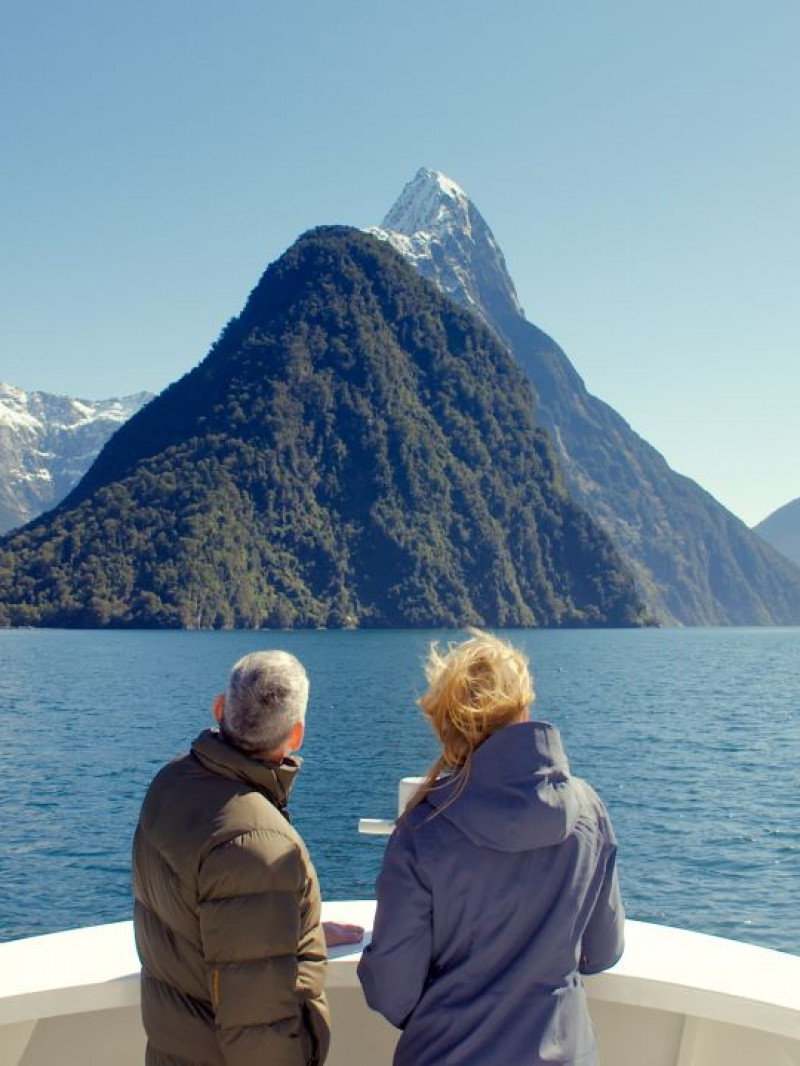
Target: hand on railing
x: 338, y: 933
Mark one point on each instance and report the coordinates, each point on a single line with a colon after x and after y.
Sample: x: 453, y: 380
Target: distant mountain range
x: 781, y: 529
x: 47, y: 443
x: 694, y: 562
x: 356, y: 449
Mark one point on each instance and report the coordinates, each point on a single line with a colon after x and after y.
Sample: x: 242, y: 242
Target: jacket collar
x: 221, y: 757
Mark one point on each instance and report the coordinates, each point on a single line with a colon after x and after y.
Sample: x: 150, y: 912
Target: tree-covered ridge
x: 354, y: 450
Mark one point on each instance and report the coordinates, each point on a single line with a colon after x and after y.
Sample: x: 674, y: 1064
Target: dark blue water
x: 691, y: 736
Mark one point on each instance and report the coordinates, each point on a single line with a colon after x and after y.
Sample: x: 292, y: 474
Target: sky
x: 637, y: 161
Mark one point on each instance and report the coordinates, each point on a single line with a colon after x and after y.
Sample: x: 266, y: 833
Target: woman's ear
x: 218, y: 707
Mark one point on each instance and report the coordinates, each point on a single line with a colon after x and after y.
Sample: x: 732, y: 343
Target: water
x: 691, y: 736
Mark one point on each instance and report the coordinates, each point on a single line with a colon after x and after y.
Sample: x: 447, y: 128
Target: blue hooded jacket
x: 490, y: 906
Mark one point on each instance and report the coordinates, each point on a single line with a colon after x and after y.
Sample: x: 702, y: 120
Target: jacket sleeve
x: 604, y: 937
x: 394, y: 967
x: 263, y: 949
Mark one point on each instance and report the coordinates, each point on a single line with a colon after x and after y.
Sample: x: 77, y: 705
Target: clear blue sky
x: 637, y: 160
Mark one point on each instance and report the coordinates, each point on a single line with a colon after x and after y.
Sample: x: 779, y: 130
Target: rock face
x: 356, y: 449
x: 694, y: 562
x: 436, y: 226
x: 47, y: 443
x: 781, y: 529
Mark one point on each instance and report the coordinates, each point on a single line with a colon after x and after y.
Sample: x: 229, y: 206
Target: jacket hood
x: 519, y: 794
x: 221, y: 757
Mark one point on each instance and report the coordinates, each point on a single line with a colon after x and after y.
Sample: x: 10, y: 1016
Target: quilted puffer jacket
x: 227, y: 916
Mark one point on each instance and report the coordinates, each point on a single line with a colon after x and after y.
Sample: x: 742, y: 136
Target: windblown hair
x: 474, y: 689
x: 266, y: 696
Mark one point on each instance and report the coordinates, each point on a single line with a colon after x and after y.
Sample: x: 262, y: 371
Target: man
x: 227, y: 902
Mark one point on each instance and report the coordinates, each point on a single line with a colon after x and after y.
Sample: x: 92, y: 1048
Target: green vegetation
x: 354, y: 450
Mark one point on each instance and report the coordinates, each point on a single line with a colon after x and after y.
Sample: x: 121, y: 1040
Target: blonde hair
x: 474, y: 689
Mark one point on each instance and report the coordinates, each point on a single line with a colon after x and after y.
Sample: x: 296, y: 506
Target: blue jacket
x: 491, y: 907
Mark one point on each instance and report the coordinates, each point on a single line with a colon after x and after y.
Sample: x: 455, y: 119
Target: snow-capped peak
x: 429, y: 202
x: 435, y: 225
x: 47, y: 443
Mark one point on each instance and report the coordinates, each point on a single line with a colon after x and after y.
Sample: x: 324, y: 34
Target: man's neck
x: 274, y: 757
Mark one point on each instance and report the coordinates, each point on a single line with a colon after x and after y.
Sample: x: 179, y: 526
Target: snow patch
x: 18, y: 419
x: 14, y: 412
x: 31, y: 475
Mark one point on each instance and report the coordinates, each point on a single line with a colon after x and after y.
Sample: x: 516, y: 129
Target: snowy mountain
x: 695, y: 563
x: 781, y: 529
x: 435, y: 225
x: 47, y: 443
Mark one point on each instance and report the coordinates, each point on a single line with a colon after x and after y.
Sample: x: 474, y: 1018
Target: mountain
x: 694, y: 562
x: 47, y: 443
x: 354, y: 450
x: 781, y: 529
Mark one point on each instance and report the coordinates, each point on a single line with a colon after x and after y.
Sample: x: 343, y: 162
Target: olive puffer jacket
x: 227, y: 916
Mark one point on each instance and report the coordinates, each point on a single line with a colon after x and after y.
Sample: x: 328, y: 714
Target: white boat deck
x: 676, y: 998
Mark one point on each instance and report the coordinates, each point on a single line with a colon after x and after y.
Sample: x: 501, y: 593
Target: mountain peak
x: 437, y: 227
x: 429, y: 202
x: 606, y: 467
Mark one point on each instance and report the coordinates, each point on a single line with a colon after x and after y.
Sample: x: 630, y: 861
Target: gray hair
x: 266, y: 696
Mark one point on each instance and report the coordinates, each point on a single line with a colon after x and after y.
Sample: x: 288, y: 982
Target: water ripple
x: 691, y: 736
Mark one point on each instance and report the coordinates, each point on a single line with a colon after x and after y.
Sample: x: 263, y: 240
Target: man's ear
x: 295, y: 741
x: 218, y: 706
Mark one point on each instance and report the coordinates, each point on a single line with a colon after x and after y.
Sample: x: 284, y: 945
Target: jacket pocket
x: 316, y: 1031
x: 308, y: 1039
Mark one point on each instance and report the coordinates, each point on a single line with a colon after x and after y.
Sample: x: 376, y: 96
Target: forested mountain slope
x: 354, y: 450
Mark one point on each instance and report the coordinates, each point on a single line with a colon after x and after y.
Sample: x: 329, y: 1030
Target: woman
x: 498, y: 886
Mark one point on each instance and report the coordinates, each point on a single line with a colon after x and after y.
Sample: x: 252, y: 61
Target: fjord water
x: 691, y: 736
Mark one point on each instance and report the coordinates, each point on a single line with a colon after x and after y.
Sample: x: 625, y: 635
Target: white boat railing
x: 676, y: 998
x: 384, y: 826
